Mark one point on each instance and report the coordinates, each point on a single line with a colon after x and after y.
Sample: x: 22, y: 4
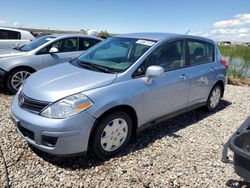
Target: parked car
x: 116, y: 89
x: 12, y: 38
x: 17, y: 64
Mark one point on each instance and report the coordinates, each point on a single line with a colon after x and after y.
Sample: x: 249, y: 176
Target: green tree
x: 104, y: 34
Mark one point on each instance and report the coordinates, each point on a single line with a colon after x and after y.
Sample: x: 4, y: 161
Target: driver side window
x: 170, y: 56
x: 64, y: 45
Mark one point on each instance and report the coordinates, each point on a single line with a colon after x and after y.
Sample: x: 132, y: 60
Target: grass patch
x: 236, y: 51
x: 238, y: 57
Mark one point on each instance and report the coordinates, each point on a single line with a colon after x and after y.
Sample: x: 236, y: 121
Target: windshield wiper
x: 19, y: 48
x: 96, y: 67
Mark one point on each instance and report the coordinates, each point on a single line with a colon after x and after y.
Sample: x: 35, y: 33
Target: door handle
x: 212, y: 69
x: 183, y: 77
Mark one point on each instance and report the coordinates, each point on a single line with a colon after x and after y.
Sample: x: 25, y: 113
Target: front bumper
x: 2, y: 74
x: 55, y: 136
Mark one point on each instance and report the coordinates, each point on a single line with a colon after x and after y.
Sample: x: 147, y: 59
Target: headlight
x: 68, y: 106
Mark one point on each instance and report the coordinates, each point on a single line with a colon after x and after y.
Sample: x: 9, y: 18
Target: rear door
x: 201, y: 62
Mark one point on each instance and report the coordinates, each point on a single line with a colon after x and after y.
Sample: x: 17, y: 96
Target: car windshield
x: 115, y: 54
x: 36, y: 43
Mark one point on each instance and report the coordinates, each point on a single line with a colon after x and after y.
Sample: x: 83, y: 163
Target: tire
x: 214, y: 98
x: 12, y: 81
x: 111, y: 134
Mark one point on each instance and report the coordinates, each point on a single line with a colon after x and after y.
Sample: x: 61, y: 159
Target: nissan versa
x: 115, y: 89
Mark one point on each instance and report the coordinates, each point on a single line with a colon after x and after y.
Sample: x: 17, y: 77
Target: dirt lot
x: 184, y: 151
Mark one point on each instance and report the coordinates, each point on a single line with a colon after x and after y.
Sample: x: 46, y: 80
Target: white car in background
x: 13, y: 38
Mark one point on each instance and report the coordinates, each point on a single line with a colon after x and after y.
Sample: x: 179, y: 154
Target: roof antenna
x: 187, y: 32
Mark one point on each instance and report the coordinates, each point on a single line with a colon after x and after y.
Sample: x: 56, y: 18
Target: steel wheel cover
x: 215, y: 98
x: 114, y: 134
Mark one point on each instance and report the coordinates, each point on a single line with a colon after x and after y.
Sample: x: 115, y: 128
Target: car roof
x: 73, y: 35
x: 13, y: 29
x: 161, y: 36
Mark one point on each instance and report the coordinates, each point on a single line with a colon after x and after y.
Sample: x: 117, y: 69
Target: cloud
x: 17, y: 24
x: 2, y: 22
x: 238, y: 21
x: 235, y: 29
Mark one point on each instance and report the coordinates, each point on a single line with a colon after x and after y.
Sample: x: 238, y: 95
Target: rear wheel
x: 16, y: 78
x: 112, y: 134
x: 214, y: 98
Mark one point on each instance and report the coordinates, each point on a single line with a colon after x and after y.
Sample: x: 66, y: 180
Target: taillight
x: 224, y: 63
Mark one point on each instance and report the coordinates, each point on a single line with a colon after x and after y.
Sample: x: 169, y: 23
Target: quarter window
x: 200, y: 52
x: 9, y: 35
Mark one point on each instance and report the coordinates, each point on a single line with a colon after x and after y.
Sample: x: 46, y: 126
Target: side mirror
x: 53, y: 50
x: 154, y: 72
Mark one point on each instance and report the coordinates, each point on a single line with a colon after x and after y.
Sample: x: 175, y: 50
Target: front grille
x: 31, y: 104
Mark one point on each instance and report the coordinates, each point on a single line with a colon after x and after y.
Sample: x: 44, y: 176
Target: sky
x: 216, y: 19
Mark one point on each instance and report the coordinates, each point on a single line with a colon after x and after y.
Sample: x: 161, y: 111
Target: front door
x: 169, y: 93
x: 67, y: 49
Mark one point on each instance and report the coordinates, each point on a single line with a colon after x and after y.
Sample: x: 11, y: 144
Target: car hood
x: 62, y: 80
x: 10, y: 53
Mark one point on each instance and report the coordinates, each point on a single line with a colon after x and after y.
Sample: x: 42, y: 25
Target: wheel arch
x: 125, y: 108
x: 222, y: 85
x: 20, y: 67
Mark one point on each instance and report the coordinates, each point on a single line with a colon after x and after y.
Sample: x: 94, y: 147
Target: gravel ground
x: 184, y: 151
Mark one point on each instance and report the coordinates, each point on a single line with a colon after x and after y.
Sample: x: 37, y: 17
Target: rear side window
x: 200, y: 52
x: 9, y: 35
x: 86, y: 43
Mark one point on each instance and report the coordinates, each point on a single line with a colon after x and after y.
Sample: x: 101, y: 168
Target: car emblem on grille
x: 21, y: 100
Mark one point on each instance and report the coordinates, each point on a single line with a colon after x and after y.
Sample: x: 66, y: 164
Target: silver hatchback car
x: 116, y: 89
x: 17, y: 64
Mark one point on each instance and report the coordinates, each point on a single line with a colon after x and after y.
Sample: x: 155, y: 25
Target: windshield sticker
x: 145, y: 42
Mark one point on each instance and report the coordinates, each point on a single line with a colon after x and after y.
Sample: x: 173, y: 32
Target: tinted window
x: 8, y: 35
x: 86, y: 43
x: 64, y: 45
x: 200, y: 52
x: 170, y: 56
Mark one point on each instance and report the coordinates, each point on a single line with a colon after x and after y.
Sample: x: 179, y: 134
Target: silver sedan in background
x: 17, y: 64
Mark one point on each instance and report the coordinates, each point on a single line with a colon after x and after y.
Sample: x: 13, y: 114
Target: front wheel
x: 112, y: 134
x: 16, y: 78
x: 214, y: 98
